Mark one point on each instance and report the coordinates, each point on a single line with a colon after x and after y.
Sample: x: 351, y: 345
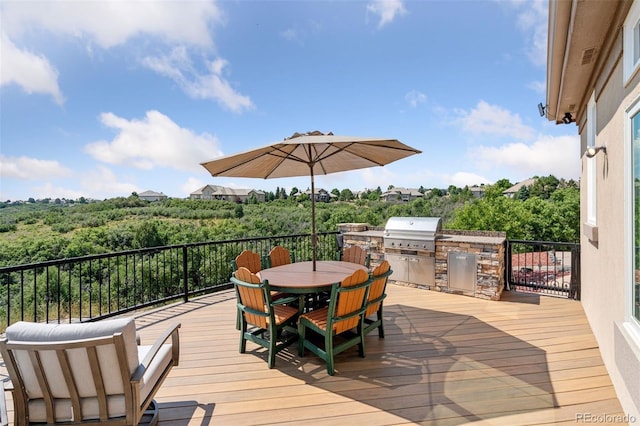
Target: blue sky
x: 100, y: 99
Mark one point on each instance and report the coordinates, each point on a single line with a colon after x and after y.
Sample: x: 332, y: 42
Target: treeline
x: 35, y: 232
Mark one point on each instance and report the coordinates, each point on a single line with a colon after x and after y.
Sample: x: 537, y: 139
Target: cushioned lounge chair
x: 86, y: 372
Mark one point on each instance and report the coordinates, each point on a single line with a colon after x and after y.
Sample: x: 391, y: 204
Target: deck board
x: 446, y: 360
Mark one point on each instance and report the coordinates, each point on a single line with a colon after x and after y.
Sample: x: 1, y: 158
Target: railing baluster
x: 133, y: 279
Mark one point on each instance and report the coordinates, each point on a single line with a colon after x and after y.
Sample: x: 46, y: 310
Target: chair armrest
x: 171, y: 332
x: 4, y: 417
x: 285, y: 300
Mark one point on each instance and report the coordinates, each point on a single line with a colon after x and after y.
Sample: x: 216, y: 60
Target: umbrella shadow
x: 434, y: 365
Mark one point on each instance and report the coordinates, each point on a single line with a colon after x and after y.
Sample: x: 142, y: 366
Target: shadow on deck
x: 445, y: 360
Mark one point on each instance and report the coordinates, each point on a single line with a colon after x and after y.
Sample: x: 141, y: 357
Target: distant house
x: 400, y: 195
x: 322, y: 195
x: 152, y: 196
x: 236, y: 195
x: 511, y: 192
x: 477, y: 191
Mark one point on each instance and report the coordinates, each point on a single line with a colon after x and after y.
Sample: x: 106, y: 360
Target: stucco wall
x: 605, y: 262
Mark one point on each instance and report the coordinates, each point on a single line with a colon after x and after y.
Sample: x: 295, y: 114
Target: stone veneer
x: 487, y: 246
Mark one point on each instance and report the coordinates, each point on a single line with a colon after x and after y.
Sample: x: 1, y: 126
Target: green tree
x: 543, y: 187
x: 239, y: 212
x: 346, y: 195
x: 147, y: 234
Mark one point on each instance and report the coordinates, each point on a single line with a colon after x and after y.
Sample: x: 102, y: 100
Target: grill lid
x: 412, y: 232
x: 426, y: 227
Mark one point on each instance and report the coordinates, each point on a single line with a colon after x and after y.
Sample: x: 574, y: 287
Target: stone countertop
x: 445, y: 237
x: 367, y: 233
x: 477, y: 239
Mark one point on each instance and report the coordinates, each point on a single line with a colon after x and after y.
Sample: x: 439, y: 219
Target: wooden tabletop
x: 300, y: 277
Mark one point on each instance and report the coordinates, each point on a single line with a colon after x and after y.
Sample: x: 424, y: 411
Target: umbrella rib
x: 364, y: 156
x: 285, y: 156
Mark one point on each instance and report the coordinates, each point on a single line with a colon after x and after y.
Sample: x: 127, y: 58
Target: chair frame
x: 134, y: 408
x: 267, y: 320
x: 342, y: 317
x: 249, y: 259
x: 356, y: 254
x: 377, y: 294
x: 279, y: 255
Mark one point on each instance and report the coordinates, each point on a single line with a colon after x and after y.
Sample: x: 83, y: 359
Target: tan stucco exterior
x: 606, y: 246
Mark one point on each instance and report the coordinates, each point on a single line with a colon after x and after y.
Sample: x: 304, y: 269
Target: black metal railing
x: 550, y: 268
x: 93, y: 287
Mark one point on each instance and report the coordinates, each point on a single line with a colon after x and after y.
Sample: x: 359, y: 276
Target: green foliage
x: 39, y: 231
x: 556, y: 218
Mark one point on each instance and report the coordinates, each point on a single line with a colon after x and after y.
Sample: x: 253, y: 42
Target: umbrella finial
x: 311, y: 133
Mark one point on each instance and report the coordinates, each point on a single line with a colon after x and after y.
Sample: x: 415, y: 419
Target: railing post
x: 574, y: 285
x: 185, y: 275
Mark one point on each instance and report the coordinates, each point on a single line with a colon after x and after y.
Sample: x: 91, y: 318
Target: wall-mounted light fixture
x: 542, y: 109
x: 593, y: 150
x: 567, y: 119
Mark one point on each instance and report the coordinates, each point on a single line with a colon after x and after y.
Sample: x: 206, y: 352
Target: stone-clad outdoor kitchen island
x: 455, y: 252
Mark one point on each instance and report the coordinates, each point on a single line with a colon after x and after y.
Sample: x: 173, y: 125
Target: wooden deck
x: 446, y: 360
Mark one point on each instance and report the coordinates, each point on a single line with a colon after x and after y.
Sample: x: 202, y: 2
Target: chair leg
x: 381, y: 326
x: 301, y: 334
x: 328, y: 342
x: 243, y: 339
x: 273, y: 340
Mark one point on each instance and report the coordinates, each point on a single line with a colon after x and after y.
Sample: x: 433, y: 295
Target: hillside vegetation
x: 35, y: 232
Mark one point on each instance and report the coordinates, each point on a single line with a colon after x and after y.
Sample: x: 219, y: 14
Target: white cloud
x: 558, y: 156
x: 48, y: 190
x: 494, y: 120
x: 26, y: 168
x: 533, y: 22
x: 386, y: 10
x: 462, y: 179
x: 539, y: 87
x: 192, y: 184
x: 155, y: 141
x: 179, y: 67
x: 112, y: 23
x: 290, y: 35
x: 102, y: 182
x: 33, y: 73
x: 415, y: 98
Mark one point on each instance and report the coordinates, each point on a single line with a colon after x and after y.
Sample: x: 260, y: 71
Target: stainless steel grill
x: 410, y: 244
x: 414, y: 233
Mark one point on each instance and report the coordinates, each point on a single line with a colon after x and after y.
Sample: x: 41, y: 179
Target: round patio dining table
x: 300, y: 278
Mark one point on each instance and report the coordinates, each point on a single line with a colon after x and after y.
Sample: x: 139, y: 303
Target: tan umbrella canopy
x: 310, y: 154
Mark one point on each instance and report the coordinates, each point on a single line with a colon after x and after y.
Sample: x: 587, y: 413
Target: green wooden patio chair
x: 343, y: 315
x: 268, y: 323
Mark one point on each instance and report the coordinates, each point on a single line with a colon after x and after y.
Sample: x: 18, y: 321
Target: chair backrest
x: 279, y: 256
x: 347, y: 301
x: 250, y: 260
x: 355, y: 254
x: 253, y: 295
x: 377, y: 290
x: 72, y: 372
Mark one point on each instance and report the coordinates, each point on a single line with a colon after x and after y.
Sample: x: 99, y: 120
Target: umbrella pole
x: 314, y: 244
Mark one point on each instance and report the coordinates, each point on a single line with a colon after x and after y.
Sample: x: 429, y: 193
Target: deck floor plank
x: 446, y: 360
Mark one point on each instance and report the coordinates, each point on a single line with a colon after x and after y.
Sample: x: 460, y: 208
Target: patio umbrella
x: 310, y: 154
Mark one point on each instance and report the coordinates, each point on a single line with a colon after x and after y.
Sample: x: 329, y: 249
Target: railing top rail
x: 56, y: 262
x: 550, y: 243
